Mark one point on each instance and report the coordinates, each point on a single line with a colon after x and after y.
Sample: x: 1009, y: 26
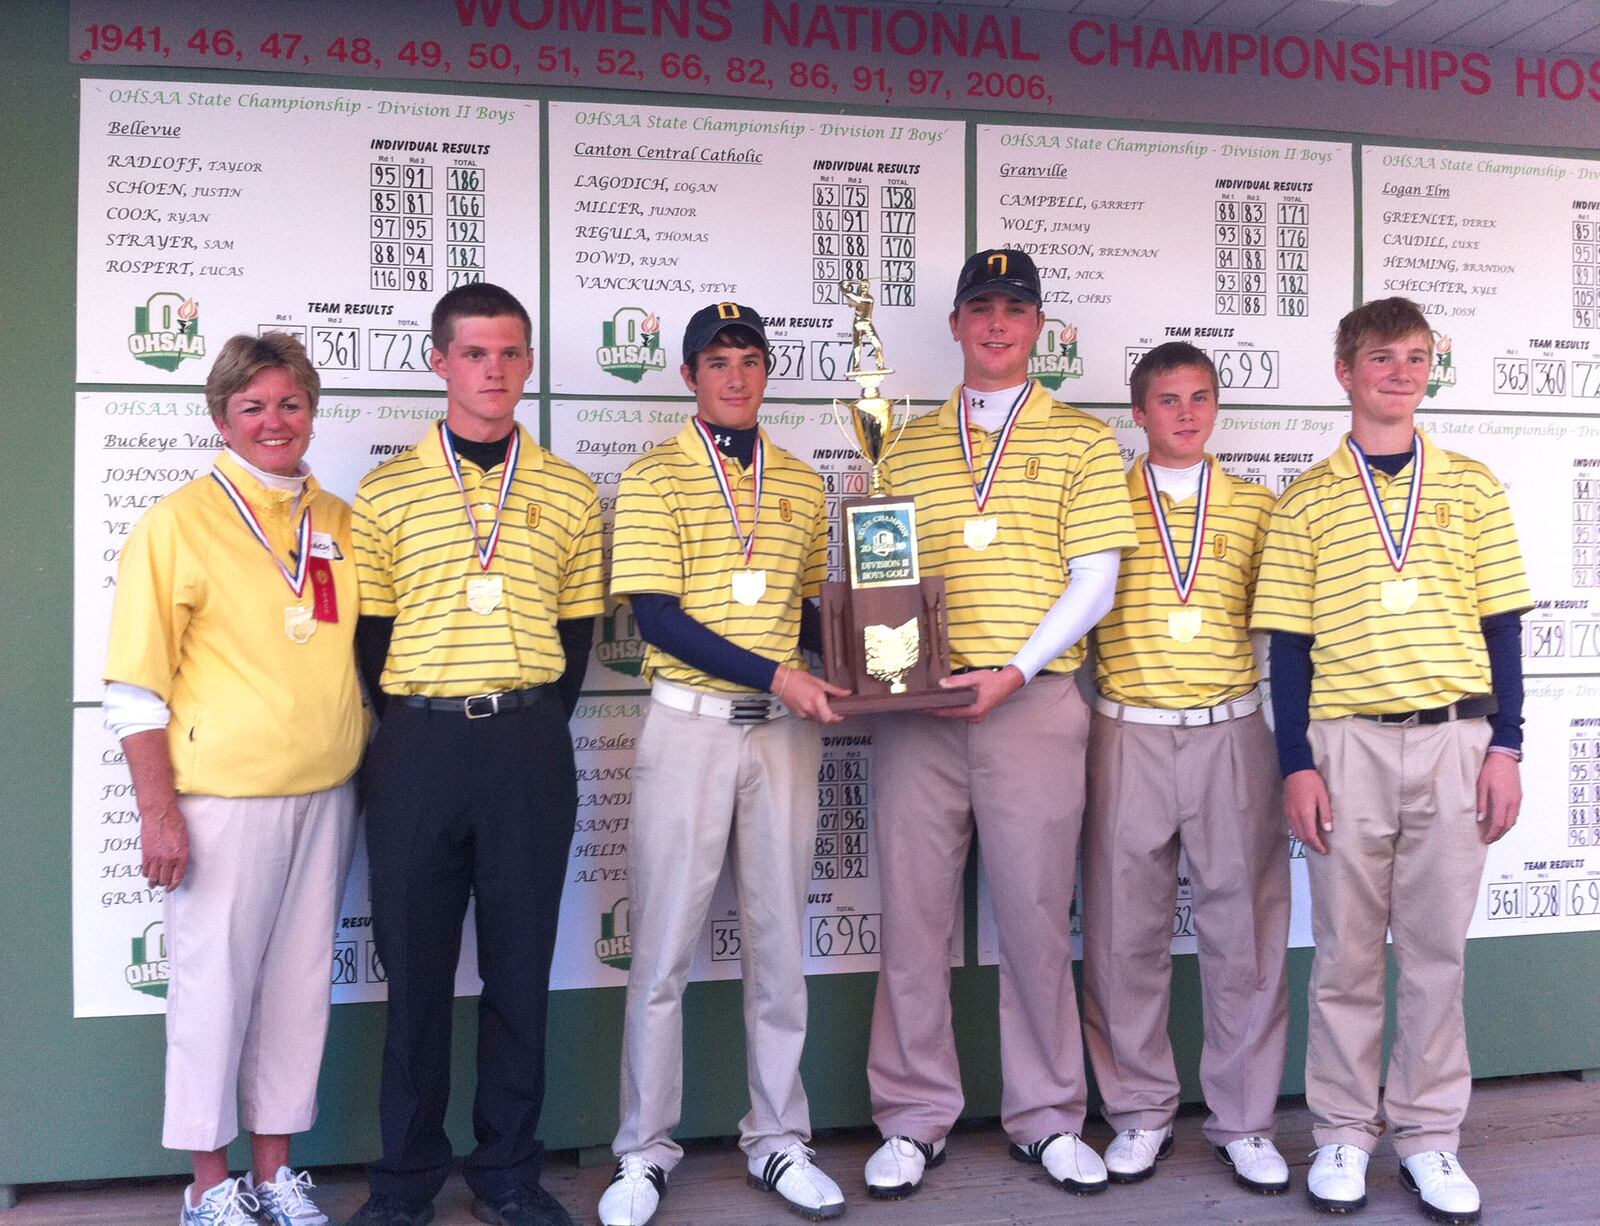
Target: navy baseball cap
x: 705, y: 323
x: 999, y: 270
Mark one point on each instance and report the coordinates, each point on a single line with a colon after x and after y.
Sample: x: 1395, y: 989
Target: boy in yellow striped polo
x: 1180, y: 756
x: 721, y: 546
x: 1022, y: 507
x: 1393, y: 587
x: 479, y: 560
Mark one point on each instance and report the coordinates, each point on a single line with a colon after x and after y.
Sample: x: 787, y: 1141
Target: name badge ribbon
x: 749, y: 584
x: 325, y: 607
x: 979, y: 531
x: 1398, y: 594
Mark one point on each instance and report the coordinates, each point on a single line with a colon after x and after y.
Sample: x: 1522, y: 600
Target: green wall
x: 80, y: 1099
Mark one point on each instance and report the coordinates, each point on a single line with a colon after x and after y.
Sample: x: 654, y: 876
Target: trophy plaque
x: 883, y: 628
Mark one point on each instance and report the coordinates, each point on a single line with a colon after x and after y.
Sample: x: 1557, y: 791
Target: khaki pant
x: 1017, y: 778
x: 1215, y: 791
x: 703, y: 789
x: 250, y: 940
x: 1404, y: 855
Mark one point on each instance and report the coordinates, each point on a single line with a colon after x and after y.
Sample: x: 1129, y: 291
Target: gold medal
x: 298, y: 623
x: 749, y: 586
x: 979, y: 531
x: 1183, y: 624
x: 483, y: 593
x: 1398, y: 595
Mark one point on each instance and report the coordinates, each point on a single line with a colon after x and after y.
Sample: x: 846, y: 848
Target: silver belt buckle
x: 750, y: 710
x: 492, y: 708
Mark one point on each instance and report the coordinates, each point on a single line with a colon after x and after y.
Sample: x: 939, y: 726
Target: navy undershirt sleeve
x: 1290, y: 657
x: 372, y: 653
x: 1502, y: 635
x: 664, y: 624
x: 577, y: 636
x: 810, y: 627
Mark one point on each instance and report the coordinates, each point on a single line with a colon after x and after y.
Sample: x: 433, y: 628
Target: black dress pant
x: 458, y: 807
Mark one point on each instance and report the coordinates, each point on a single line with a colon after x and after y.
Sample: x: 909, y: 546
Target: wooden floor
x: 1532, y: 1144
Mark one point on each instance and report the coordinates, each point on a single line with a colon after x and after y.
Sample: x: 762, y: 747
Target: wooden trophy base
x: 847, y: 611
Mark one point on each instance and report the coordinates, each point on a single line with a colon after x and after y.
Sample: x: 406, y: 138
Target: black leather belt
x: 1467, y: 708
x: 481, y: 706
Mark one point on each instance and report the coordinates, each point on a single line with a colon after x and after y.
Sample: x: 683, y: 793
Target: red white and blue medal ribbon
x: 1182, y: 581
x: 485, y: 546
x: 1398, y: 548
x: 719, y: 470
x: 296, y: 578
x: 981, y: 488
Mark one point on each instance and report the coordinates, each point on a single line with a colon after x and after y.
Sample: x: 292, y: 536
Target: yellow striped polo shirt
x: 1137, y: 658
x: 415, y: 554
x: 1060, y: 493
x: 673, y: 535
x: 1325, y: 565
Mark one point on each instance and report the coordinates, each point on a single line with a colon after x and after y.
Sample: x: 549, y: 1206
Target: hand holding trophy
x: 884, y: 635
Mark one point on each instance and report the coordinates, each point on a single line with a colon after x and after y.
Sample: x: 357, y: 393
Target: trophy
x: 883, y: 628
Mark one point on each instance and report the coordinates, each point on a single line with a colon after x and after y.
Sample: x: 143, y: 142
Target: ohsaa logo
x: 620, y: 648
x: 615, y: 946
x: 1055, y: 357
x: 1443, y: 371
x: 630, y: 344
x: 148, y: 967
x: 166, y: 330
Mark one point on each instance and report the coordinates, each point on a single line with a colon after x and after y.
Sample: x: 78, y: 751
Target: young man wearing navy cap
x: 721, y: 545
x: 1023, y: 509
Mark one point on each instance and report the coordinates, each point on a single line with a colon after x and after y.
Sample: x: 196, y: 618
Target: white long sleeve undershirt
x: 987, y: 410
x: 1093, y: 583
x: 1089, y: 595
x: 1178, y: 483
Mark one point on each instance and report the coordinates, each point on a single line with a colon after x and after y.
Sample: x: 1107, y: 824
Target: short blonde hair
x: 1381, y: 321
x: 244, y: 357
